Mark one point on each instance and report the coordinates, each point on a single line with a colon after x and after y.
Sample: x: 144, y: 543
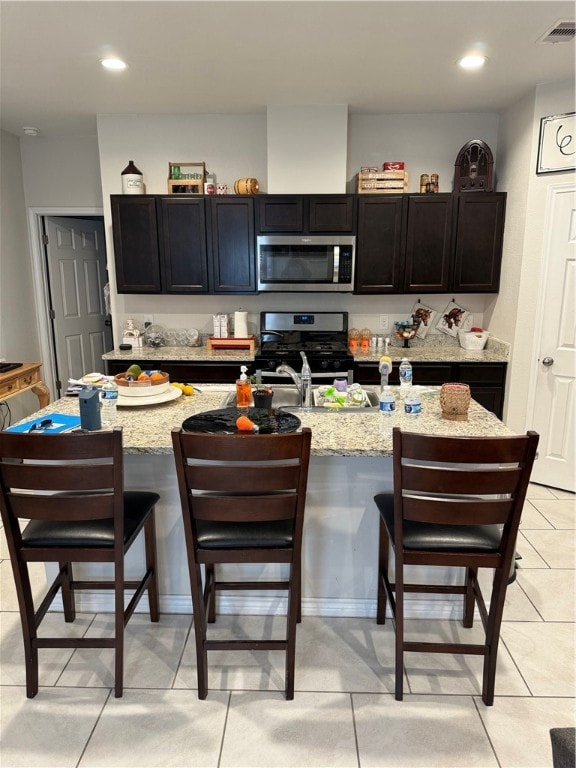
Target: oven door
x: 304, y: 263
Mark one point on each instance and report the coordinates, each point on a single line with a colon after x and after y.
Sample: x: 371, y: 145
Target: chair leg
x: 67, y: 592
x: 198, y: 606
x: 291, y: 623
x: 469, y: 597
x: 297, y: 576
x: 383, y: 554
x: 399, y: 630
x: 493, y: 635
x: 150, y: 548
x: 210, y: 575
x: 28, y: 623
x: 118, y: 631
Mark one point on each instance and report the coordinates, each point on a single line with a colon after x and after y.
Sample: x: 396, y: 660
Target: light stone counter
x: 435, y: 348
x: 146, y: 429
x: 182, y: 354
x: 351, y: 461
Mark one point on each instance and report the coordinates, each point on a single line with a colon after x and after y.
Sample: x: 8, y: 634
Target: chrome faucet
x: 302, y: 381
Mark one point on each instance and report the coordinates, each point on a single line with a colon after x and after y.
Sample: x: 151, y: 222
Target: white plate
x: 172, y: 393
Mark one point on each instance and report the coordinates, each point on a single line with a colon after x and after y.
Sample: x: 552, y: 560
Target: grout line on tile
x: 355, y: 731
x: 476, y: 701
x: 106, y: 700
x: 184, y: 644
x: 218, y: 762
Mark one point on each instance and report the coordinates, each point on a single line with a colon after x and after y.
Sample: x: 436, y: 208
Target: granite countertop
x: 333, y: 433
x: 436, y: 348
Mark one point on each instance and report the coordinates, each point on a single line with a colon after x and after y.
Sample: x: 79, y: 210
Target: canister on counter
x: 434, y: 182
x: 424, y: 181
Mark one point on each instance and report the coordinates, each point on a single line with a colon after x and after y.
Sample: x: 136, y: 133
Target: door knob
x: 548, y: 361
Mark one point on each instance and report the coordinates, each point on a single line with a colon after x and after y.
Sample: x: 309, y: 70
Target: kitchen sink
x: 283, y: 397
x: 289, y: 399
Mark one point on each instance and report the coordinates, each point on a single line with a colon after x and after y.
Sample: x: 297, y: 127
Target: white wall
x: 426, y: 143
x: 307, y: 148
x: 61, y: 171
x: 512, y: 316
x: 18, y: 336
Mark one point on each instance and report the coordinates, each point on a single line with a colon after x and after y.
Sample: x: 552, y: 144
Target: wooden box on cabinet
x: 189, y: 179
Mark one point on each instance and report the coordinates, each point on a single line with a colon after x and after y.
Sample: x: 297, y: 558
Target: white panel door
x: 76, y: 261
x: 555, y: 401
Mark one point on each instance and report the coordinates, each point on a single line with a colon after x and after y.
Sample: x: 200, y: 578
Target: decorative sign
x: 557, y: 144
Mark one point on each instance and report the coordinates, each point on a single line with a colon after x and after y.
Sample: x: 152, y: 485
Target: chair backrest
x: 243, y: 478
x: 462, y: 480
x: 61, y: 478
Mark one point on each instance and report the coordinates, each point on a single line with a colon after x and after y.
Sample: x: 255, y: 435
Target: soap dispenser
x: 243, y: 389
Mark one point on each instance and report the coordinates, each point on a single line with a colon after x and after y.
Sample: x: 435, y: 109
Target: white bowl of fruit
x: 138, y: 383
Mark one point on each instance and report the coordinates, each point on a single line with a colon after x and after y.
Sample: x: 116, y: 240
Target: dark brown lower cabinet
x: 185, y: 372
x: 486, y: 380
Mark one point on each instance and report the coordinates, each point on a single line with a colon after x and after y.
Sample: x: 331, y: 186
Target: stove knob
x: 325, y: 364
x: 336, y: 365
x: 271, y: 365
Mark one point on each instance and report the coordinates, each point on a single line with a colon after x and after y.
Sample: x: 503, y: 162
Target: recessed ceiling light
x: 116, y: 64
x: 474, y: 61
x: 29, y: 131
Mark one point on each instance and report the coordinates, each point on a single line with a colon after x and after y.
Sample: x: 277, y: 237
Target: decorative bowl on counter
x: 473, y: 339
x: 405, y: 330
x: 157, y: 383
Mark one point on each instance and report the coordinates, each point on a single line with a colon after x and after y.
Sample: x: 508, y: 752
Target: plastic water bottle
x: 405, y: 372
x: 108, y: 402
x: 412, y: 406
x: 387, y: 409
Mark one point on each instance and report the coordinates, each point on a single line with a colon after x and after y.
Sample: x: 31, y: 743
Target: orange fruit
x: 156, y: 376
x: 143, y: 377
x: 243, y: 424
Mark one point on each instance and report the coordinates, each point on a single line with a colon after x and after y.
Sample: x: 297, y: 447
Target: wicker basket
x: 455, y: 401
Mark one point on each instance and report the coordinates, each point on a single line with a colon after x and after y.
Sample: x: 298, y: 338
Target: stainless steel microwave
x: 305, y: 263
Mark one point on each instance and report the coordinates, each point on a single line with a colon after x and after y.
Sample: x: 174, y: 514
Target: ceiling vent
x: 561, y: 32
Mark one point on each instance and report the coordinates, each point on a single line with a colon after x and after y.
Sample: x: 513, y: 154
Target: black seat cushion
x: 93, y: 533
x: 432, y: 536
x: 218, y: 535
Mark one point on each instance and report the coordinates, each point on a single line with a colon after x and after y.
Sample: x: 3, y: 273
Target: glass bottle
x: 132, y: 180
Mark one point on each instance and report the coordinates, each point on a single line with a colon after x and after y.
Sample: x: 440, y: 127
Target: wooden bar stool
x: 69, y: 489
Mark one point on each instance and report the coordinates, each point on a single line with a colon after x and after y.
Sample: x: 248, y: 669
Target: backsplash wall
x: 364, y: 311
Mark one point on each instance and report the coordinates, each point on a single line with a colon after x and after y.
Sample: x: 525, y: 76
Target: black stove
x: 323, y: 336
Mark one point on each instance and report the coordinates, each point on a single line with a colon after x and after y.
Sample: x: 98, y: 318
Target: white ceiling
x: 206, y: 56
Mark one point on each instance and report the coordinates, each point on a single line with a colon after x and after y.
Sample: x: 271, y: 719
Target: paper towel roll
x: 240, y: 325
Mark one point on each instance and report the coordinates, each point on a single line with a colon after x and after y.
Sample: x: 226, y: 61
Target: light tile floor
x: 344, y: 712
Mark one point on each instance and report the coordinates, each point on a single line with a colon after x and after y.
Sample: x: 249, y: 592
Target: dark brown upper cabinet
x: 379, y: 244
x: 136, y: 249
x: 305, y: 214
x: 232, y: 244
x: 280, y: 213
x: 331, y: 213
x: 479, y: 235
x: 429, y: 243
x: 183, y: 245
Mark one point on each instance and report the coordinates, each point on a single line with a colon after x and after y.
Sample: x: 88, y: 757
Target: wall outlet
x: 384, y: 322
x: 148, y: 320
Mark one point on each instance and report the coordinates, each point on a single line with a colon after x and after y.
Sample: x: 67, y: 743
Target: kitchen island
x: 351, y: 461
